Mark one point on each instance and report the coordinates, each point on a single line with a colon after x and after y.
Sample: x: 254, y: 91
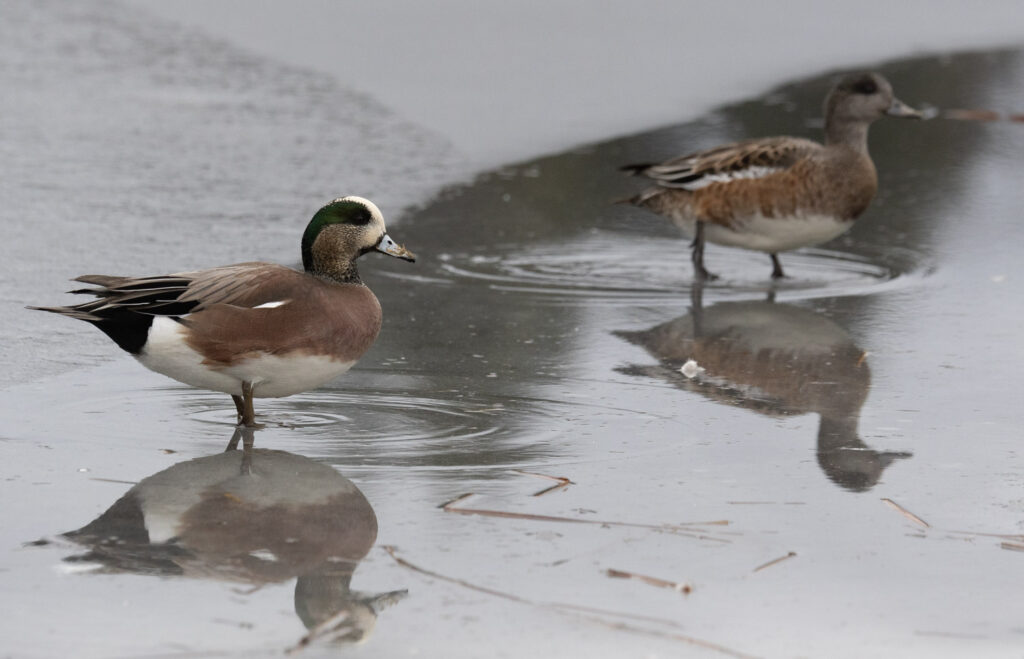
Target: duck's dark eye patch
x: 865, y: 87
x: 360, y: 215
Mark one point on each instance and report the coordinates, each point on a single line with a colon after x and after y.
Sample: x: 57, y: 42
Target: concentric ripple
x: 370, y: 428
x: 604, y: 268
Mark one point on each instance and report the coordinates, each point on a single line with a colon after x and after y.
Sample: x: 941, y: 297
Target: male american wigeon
x: 253, y: 329
x: 777, y: 193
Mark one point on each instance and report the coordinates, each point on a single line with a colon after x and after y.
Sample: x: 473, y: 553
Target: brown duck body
x: 253, y: 330
x: 281, y: 330
x: 778, y: 193
x: 812, y: 200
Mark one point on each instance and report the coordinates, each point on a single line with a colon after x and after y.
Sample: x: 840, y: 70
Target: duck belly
x: 773, y: 234
x: 167, y: 352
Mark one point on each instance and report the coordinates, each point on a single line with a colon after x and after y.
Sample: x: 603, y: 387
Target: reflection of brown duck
x: 775, y: 359
x: 267, y: 517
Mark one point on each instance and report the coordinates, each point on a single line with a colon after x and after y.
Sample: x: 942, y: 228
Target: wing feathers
x: 178, y: 294
x: 740, y: 160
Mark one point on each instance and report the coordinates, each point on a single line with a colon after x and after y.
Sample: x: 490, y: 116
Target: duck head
x: 341, y: 232
x: 857, y: 101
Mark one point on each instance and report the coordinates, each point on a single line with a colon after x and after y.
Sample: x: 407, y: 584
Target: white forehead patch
x: 374, y: 211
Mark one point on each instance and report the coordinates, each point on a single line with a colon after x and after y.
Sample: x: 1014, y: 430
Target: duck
x: 777, y: 194
x: 252, y: 330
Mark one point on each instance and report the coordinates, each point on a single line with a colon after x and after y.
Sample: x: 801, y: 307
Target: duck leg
x: 239, y: 408
x: 247, y: 413
x: 777, y: 272
x: 697, y: 255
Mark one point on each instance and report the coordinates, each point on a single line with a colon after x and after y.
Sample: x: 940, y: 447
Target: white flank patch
x: 167, y: 353
x: 272, y: 305
x: 771, y: 234
x: 272, y: 376
x: 725, y: 177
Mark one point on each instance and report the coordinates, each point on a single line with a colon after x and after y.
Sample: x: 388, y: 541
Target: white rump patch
x: 272, y: 305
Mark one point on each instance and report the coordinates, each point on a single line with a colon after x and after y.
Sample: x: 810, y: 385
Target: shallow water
x: 541, y: 334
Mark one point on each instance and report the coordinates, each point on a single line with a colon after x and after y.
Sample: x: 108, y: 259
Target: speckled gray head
x: 865, y: 97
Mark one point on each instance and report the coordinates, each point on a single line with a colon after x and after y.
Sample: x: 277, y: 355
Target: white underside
x: 272, y: 376
x: 771, y: 234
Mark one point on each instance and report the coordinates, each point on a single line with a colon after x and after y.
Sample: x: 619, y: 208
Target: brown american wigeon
x: 778, y: 193
x: 253, y: 329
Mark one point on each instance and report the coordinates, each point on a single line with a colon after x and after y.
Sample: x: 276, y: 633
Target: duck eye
x: 865, y: 87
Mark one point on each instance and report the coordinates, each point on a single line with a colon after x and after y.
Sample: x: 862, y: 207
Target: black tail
x: 129, y: 330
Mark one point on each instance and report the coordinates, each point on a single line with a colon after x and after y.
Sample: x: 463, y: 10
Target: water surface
x: 541, y: 334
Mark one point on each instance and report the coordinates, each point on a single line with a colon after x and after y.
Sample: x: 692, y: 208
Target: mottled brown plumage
x: 777, y: 193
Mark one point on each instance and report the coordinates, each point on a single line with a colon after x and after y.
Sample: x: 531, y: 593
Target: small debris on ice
x: 690, y: 369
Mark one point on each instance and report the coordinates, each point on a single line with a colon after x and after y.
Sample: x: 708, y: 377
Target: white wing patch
x: 272, y: 305
x: 725, y: 177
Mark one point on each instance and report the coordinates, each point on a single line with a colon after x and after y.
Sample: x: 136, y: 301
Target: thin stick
x: 678, y: 586
x: 561, y: 482
x: 906, y: 513
x: 1012, y: 546
x: 1002, y: 536
x: 572, y: 608
x: 675, y: 637
x: 775, y: 561
x: 677, y: 529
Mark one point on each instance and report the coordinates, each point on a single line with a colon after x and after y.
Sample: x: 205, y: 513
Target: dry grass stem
x: 972, y: 115
x: 1015, y: 537
x: 684, y: 528
x: 775, y: 561
x: 591, y: 612
x: 561, y: 482
x: 678, y: 586
x: 906, y: 513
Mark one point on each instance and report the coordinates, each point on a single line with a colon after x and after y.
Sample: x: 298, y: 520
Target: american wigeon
x: 777, y: 193
x: 253, y: 329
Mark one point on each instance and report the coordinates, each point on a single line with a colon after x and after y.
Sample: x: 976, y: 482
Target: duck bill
x: 391, y: 248
x: 901, y: 109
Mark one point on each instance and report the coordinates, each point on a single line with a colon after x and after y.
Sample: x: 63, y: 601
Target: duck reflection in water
x: 255, y: 516
x: 776, y: 359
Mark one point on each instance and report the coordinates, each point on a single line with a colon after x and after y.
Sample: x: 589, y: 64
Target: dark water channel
x: 859, y: 419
